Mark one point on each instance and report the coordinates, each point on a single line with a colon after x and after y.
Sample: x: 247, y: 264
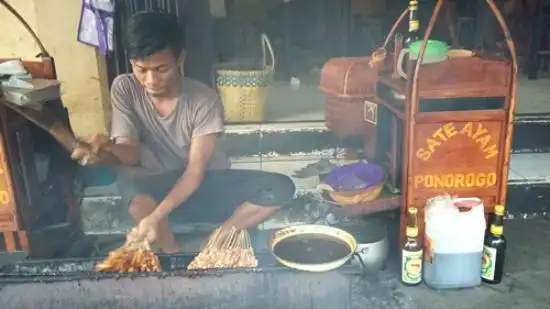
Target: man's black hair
x: 150, y: 32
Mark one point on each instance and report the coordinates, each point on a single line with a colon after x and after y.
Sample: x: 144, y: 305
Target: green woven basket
x: 244, y: 91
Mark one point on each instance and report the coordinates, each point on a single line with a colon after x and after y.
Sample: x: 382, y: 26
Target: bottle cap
x: 499, y: 210
x: 411, y: 232
x: 496, y: 230
x: 413, y: 210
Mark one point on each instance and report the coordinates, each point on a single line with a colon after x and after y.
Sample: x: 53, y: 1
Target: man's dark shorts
x: 220, y: 193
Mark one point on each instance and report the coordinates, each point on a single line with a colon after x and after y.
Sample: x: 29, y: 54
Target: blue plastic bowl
x: 354, y: 177
x: 96, y: 176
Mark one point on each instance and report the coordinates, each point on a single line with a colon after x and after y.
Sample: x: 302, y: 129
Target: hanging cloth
x: 95, y: 27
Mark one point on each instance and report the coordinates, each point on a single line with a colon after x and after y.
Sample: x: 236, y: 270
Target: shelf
x: 458, y: 78
x: 460, y: 116
x: 393, y: 109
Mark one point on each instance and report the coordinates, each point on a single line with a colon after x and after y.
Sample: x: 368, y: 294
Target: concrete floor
x: 525, y: 285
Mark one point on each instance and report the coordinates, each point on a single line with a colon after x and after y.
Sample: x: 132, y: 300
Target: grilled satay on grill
x: 226, y: 249
x: 133, y: 256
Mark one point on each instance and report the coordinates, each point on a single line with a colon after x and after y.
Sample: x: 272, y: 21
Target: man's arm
x: 124, y: 124
x: 125, y: 150
x: 100, y: 150
x: 201, y: 150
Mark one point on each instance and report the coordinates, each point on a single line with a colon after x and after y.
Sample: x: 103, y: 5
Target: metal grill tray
x: 56, y: 270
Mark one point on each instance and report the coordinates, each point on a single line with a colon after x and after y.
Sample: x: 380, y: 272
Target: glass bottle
x: 494, y: 249
x: 411, y: 257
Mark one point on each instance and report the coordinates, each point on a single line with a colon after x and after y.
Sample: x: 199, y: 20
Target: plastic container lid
x: 433, y: 48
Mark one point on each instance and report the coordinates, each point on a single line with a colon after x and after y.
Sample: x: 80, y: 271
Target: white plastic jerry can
x: 454, y: 233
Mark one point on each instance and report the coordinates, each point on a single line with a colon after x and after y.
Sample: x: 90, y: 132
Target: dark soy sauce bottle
x: 414, y: 24
x: 494, y: 249
x: 412, y: 36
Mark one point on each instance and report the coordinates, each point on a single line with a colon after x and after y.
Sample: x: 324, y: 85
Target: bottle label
x: 414, y: 25
x: 428, y: 246
x: 488, y: 263
x: 411, y: 271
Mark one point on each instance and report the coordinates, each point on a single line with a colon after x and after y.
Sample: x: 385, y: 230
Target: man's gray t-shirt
x: 164, y: 142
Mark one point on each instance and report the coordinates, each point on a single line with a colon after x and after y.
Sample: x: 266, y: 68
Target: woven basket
x: 244, y: 91
x: 354, y: 183
x: 353, y: 198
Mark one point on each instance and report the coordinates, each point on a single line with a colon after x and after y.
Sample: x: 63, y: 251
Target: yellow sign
x: 455, y: 181
x: 473, y: 130
x: 4, y: 197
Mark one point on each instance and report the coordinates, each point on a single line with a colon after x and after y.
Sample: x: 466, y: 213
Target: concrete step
x: 531, y: 133
x: 275, y: 139
x: 528, y: 193
x: 103, y: 213
x: 529, y: 185
x: 295, y: 149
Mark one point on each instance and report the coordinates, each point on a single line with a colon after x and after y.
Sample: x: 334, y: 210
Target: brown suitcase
x: 347, y: 82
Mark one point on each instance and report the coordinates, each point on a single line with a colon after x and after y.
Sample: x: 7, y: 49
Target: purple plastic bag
x: 95, y: 27
x: 354, y: 177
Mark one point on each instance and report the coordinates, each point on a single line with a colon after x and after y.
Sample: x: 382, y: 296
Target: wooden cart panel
x: 8, y: 212
x: 458, y: 158
x: 465, y: 73
x: 42, y: 68
x: 458, y: 78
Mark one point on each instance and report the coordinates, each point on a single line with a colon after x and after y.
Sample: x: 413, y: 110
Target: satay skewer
x: 133, y: 256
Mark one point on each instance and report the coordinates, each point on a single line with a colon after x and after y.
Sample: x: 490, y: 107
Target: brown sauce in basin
x: 311, y: 249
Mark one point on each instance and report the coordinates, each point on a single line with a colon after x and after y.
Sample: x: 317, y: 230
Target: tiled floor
x: 303, y: 170
x: 307, y: 102
x: 524, y: 167
x: 304, y: 104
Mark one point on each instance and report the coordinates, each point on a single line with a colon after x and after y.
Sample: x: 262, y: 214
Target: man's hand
x: 98, y: 142
x: 94, y: 149
x: 147, y: 229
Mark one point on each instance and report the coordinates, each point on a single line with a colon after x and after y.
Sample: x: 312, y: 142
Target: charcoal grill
x: 72, y: 283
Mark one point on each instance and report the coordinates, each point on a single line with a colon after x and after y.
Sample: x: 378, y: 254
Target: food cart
x: 447, y: 128
x: 441, y: 128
